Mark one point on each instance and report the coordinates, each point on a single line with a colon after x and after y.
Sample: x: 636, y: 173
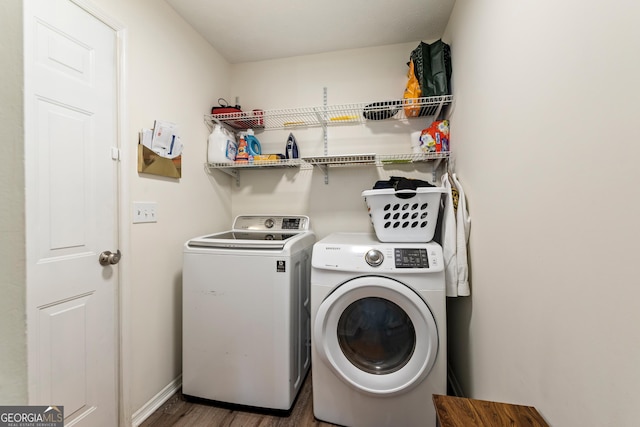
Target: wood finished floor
x: 177, y: 411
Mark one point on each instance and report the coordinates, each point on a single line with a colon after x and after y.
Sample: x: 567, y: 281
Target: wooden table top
x: 463, y: 412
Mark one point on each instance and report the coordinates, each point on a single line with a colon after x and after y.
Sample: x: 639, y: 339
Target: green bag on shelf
x: 432, y: 66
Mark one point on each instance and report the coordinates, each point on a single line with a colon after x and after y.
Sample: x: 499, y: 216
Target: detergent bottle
x: 221, y: 146
x: 253, y: 145
x: 243, y: 150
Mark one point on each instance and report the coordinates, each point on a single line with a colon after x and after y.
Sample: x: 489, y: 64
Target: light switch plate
x: 145, y: 212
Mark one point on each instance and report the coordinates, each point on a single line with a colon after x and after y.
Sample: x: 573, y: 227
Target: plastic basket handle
x: 405, y: 194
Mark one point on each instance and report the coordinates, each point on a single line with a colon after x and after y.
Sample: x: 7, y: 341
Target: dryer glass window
x: 376, y: 335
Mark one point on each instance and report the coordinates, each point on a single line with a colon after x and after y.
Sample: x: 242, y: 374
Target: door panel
x: 62, y: 194
x: 63, y: 338
x: 58, y: 51
x: 71, y: 216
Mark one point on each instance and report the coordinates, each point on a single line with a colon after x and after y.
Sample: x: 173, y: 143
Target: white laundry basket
x: 404, y: 215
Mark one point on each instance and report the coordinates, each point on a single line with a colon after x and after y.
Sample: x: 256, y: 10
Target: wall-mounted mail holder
x: 160, y: 150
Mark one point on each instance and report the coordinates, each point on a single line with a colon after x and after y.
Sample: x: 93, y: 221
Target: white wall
x: 13, y: 353
x: 546, y: 139
x: 174, y: 75
x: 350, y: 76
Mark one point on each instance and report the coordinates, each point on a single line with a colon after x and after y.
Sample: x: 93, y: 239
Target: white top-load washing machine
x: 378, y: 342
x: 246, y: 326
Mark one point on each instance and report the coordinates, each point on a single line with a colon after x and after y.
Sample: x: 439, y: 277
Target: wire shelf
x: 332, y: 115
x: 339, y: 160
x: 282, y: 163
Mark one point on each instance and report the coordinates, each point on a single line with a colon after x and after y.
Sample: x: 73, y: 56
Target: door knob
x: 109, y: 258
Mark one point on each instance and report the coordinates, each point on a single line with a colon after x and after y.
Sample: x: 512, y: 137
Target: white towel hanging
x: 449, y: 240
x: 463, y: 226
x: 455, y: 229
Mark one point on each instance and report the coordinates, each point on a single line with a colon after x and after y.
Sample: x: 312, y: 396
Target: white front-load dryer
x: 378, y: 343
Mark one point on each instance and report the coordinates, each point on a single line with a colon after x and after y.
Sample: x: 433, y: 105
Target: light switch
x: 145, y: 212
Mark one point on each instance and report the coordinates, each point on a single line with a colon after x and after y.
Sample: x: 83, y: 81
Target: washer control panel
x: 271, y: 223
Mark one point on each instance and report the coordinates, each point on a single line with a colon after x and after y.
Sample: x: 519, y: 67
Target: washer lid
x: 256, y: 232
x: 236, y: 239
x: 377, y: 335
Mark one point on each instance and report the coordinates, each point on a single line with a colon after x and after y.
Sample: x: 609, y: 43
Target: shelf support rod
x: 324, y: 134
x: 434, y: 171
x: 438, y: 110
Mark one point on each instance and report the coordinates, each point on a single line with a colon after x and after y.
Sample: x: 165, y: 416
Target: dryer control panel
x: 411, y: 258
x: 364, y: 253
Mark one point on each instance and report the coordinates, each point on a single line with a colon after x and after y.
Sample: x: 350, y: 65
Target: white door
x: 71, y: 211
x: 377, y: 335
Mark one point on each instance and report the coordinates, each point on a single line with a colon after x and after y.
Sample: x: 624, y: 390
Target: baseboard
x: 156, y: 401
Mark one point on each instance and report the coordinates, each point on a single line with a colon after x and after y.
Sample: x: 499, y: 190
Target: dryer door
x: 377, y: 335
